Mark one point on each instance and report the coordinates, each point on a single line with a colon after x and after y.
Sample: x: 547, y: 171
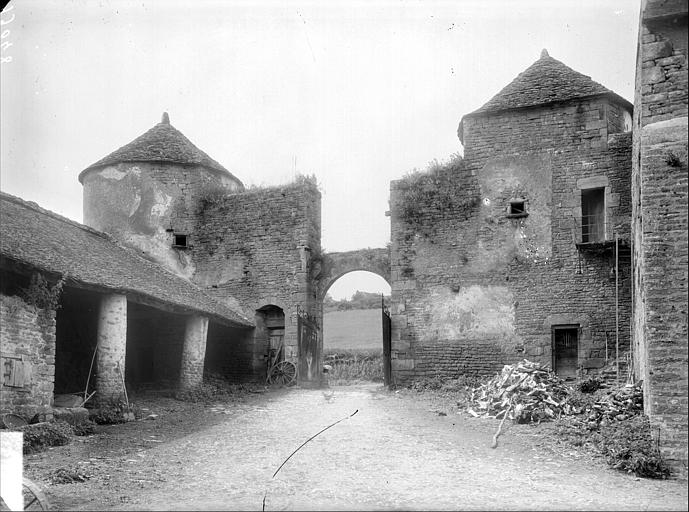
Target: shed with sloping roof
x: 67, y: 289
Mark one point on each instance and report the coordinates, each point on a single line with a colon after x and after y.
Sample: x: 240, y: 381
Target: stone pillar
x: 193, y: 352
x: 112, y: 347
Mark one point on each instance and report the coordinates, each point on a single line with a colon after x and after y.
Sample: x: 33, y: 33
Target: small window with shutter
x: 16, y: 372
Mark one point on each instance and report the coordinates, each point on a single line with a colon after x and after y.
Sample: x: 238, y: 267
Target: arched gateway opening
x: 354, y: 346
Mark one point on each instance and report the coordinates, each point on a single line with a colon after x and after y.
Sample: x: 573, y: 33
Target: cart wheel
x: 34, y: 499
x: 283, y: 373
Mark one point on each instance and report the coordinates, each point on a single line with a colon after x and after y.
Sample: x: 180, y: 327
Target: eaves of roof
x: 44, y: 240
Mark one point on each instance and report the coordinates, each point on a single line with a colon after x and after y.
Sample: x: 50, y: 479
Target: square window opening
x: 179, y: 240
x: 517, y: 208
x: 593, y: 215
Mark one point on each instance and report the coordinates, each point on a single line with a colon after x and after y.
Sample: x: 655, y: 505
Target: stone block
x: 653, y: 75
x: 659, y: 50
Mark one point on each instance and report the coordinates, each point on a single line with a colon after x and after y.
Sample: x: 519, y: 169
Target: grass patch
x: 350, y: 366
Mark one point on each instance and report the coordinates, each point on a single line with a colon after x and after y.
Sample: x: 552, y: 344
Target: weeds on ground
x: 68, y: 476
x: 86, y: 428
x: 114, y: 412
x: 628, y: 446
x: 444, y: 384
x: 40, y: 436
x: 349, y: 366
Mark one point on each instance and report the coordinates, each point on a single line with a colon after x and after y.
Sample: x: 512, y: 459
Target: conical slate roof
x: 162, y: 143
x: 546, y: 81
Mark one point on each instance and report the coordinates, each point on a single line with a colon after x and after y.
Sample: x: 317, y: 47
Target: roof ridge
x: 36, y: 207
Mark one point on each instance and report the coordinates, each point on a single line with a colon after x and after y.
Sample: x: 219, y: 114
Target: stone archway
x: 337, y: 264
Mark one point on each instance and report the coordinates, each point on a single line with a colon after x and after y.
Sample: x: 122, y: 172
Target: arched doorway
x: 353, y: 343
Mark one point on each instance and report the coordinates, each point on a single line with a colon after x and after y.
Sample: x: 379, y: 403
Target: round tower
x: 146, y: 194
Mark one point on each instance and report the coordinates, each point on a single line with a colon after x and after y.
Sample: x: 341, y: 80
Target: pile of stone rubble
x: 526, y: 392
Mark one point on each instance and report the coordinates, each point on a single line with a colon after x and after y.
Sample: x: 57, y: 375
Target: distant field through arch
x: 352, y: 327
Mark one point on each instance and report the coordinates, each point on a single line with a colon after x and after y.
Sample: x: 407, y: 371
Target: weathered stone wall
x: 572, y: 126
x: 255, y: 248
x: 660, y: 221
x: 27, y: 353
x: 143, y: 204
x: 473, y: 287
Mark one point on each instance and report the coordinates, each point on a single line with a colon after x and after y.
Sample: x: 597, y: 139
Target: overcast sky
x: 357, y: 93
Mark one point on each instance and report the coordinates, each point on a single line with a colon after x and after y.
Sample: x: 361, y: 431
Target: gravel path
x: 397, y: 453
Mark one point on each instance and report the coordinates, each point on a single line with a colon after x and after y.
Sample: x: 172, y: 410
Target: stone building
x: 250, y: 249
x: 659, y: 220
x: 521, y: 248
x: 66, y: 288
x: 560, y: 236
x: 177, y: 271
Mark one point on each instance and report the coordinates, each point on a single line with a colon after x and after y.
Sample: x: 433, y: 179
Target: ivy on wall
x: 434, y: 194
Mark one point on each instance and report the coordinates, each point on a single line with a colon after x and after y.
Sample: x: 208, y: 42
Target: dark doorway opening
x: 155, y: 340
x: 76, y: 335
x: 566, y: 350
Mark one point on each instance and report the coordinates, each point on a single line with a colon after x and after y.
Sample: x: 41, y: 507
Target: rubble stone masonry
x: 659, y: 195
x: 27, y: 357
x: 112, y: 347
x: 255, y: 248
x: 473, y: 287
x: 144, y: 204
x: 193, y: 352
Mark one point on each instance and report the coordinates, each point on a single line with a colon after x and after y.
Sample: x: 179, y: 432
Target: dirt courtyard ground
x: 401, y: 451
